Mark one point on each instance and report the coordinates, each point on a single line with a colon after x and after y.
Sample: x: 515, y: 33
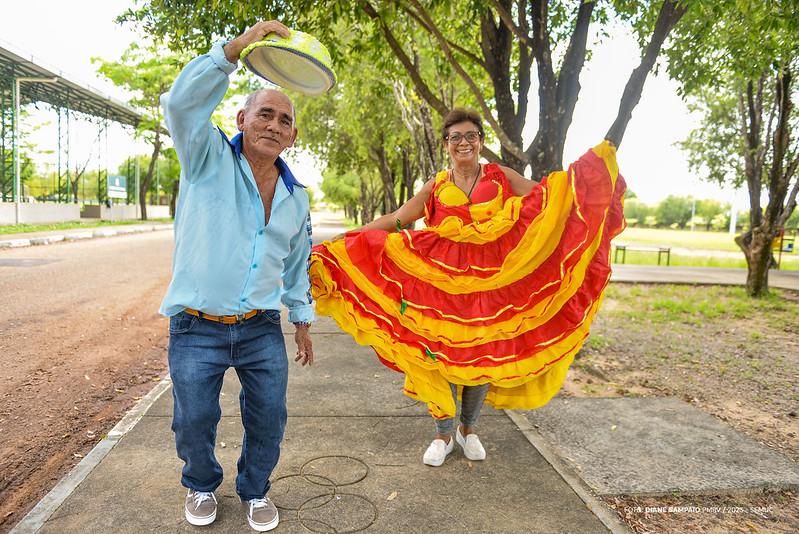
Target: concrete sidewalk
x: 359, y: 442
x: 650, y: 274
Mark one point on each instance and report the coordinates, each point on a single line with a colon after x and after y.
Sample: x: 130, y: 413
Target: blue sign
x: 117, y: 186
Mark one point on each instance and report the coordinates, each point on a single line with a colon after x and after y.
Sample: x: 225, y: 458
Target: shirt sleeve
x: 188, y: 106
x: 296, y: 295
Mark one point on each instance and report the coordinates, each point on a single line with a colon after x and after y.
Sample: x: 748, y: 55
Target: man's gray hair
x: 251, y: 98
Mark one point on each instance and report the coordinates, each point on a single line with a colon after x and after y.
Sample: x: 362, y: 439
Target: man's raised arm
x: 199, y: 89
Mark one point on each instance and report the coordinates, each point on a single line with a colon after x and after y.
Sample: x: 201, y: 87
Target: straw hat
x: 298, y: 62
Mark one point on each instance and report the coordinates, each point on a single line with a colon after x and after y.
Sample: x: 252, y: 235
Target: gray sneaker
x: 200, y: 507
x: 261, y: 514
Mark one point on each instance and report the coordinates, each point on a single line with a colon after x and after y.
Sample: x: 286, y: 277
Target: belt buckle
x: 239, y: 317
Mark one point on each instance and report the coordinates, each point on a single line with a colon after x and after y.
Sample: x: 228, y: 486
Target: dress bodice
x: 488, y: 197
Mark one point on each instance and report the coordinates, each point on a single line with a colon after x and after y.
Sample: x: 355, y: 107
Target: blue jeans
x: 472, y: 399
x: 200, y: 351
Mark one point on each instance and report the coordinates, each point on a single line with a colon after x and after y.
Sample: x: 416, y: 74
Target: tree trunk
x: 366, y: 201
x: 387, y: 177
x: 174, y: 197
x: 758, y: 261
x: 670, y: 13
x: 148, y: 178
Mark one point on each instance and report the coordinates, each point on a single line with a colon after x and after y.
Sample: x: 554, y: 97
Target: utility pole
x: 136, y: 196
x: 17, y: 166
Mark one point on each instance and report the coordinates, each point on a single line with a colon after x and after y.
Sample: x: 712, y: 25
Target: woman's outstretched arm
x: 410, y: 211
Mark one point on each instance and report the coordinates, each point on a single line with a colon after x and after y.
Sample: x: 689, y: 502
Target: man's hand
x: 302, y: 337
x: 253, y: 35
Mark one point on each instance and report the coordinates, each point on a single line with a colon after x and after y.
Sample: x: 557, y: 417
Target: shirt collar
x: 285, y: 173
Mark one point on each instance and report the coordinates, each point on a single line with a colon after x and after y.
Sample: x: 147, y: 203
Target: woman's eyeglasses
x: 456, y: 138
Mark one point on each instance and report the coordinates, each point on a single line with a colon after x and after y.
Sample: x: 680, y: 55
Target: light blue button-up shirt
x: 226, y: 262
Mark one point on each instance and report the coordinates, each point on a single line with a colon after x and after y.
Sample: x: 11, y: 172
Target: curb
x: 36, y: 518
x: 77, y: 236
x: 605, y: 514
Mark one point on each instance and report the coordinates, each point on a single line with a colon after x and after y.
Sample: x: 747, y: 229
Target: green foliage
x: 674, y: 211
x: 635, y: 210
x: 341, y: 190
x: 712, y: 214
x: 147, y: 72
x: 167, y: 172
x: 458, y: 53
x: 725, y: 39
x: 714, y: 149
x: 793, y: 223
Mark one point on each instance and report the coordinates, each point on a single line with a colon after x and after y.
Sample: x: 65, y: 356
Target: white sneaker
x: 437, y: 452
x: 472, y: 448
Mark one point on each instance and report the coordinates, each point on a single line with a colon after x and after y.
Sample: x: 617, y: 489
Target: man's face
x: 267, y: 124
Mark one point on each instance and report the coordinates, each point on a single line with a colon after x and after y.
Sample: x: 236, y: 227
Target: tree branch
x: 763, y: 149
x: 541, y: 146
x: 471, y: 55
x: 507, y: 19
x: 490, y: 155
x: 753, y: 171
x: 503, y: 137
x: 781, y: 133
x: 424, y: 91
x: 524, y: 73
x: 790, y: 205
x: 670, y: 13
x: 568, y: 88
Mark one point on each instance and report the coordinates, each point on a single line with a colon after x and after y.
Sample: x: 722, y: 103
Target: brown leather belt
x: 224, y: 319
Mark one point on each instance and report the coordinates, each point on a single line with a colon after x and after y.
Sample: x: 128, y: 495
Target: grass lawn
x: 789, y: 262
x: 696, y: 240
x: 71, y: 225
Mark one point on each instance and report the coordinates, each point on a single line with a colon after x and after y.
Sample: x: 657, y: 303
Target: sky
x: 55, y: 33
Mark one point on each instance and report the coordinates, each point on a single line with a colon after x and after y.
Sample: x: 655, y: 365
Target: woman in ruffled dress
x: 492, y: 299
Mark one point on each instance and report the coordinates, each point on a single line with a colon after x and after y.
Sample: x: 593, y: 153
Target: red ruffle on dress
x: 499, y: 290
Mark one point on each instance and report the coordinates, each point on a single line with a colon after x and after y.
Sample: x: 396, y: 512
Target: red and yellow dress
x: 499, y: 290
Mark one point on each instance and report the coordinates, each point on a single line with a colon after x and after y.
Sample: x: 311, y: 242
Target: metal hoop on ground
x: 339, y: 495
x: 340, y: 456
x: 330, y: 485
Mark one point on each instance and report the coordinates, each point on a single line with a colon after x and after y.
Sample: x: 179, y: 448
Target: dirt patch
x: 56, y: 413
x: 762, y: 513
x: 80, y: 343
x: 735, y: 358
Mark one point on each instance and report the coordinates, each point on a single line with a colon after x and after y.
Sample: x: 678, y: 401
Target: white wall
x: 50, y: 212
x: 39, y: 213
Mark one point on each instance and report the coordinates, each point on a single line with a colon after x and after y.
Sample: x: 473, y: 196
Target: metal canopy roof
x: 64, y: 93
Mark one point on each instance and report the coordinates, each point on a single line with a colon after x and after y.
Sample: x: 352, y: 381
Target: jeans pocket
x: 181, y: 322
x: 273, y: 316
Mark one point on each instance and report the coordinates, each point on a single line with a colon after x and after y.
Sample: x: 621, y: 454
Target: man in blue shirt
x: 242, y: 242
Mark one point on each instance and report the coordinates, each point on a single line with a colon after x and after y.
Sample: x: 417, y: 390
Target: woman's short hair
x: 460, y: 115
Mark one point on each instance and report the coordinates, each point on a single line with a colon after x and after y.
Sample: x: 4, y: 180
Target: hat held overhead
x: 298, y: 62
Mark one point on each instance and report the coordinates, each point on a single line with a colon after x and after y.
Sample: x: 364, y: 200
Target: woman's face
x: 464, y: 143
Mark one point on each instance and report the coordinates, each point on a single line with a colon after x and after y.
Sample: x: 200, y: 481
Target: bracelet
x: 298, y: 324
